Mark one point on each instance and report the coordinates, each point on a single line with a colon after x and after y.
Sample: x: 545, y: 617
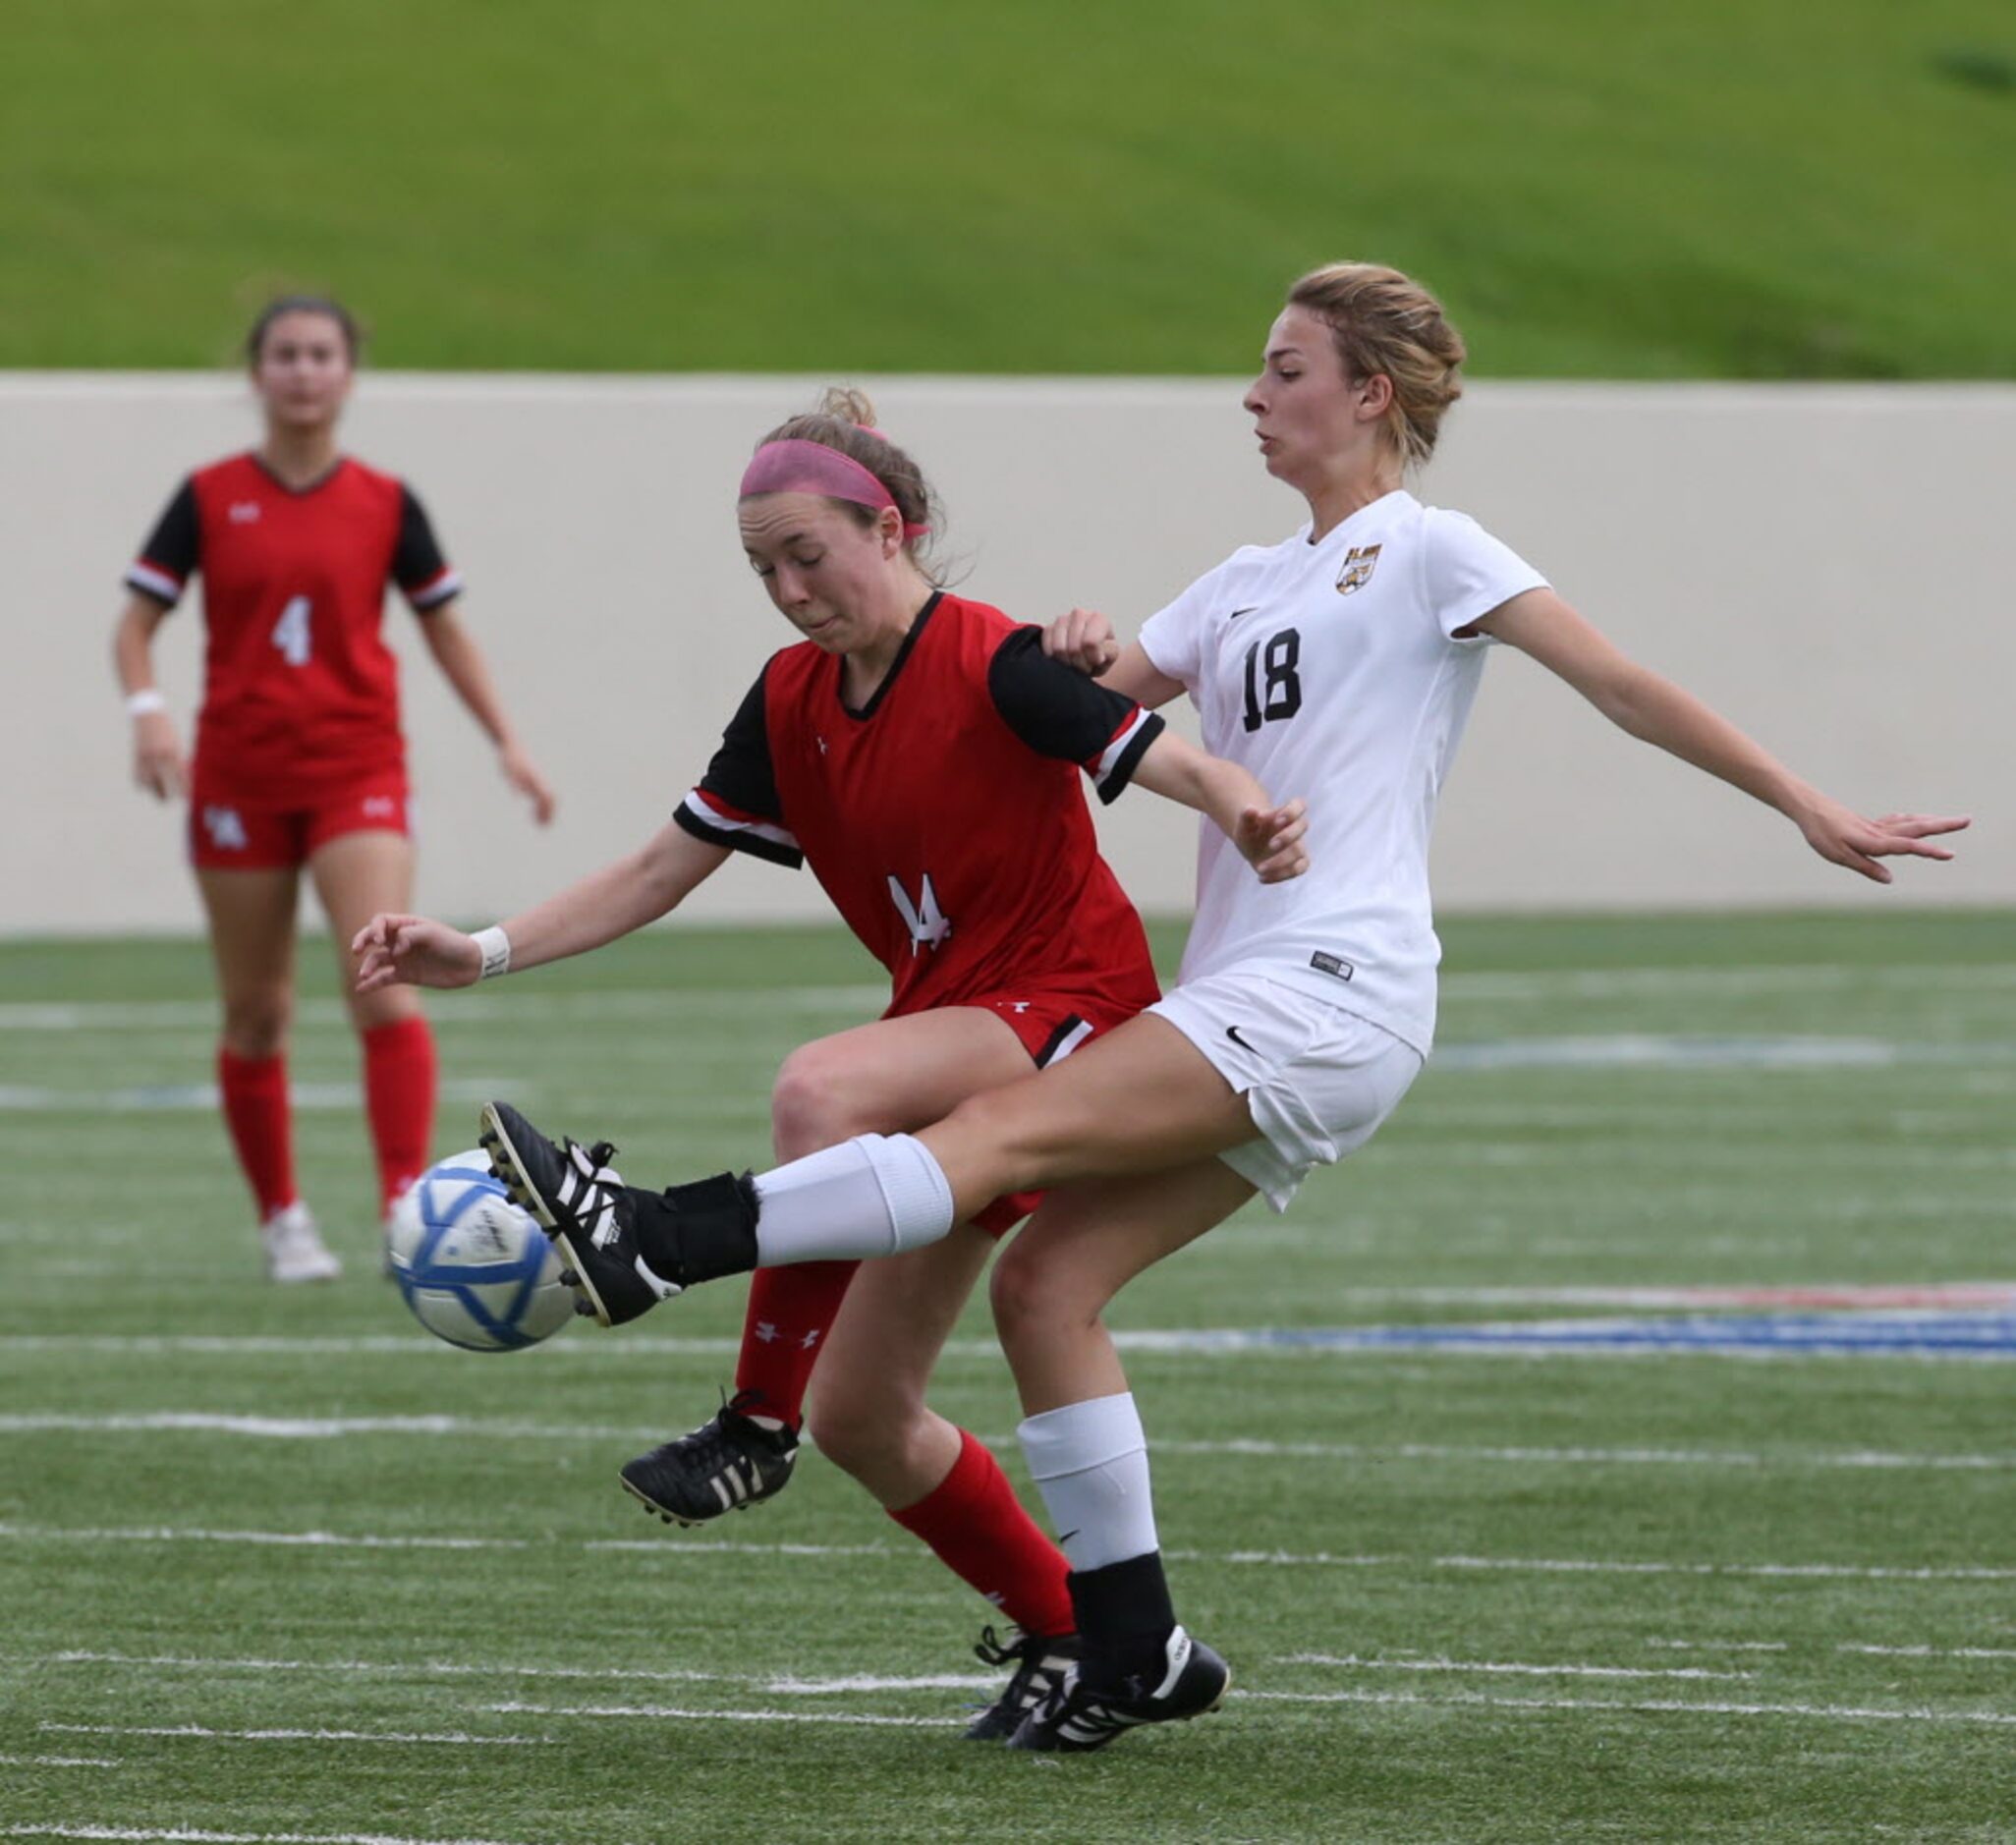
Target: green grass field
x: 275, y: 1566
x: 1725, y: 190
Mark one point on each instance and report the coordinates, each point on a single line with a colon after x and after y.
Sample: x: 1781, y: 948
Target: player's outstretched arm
x: 1270, y: 835
x: 463, y: 665
x: 639, y: 889
x: 1657, y: 710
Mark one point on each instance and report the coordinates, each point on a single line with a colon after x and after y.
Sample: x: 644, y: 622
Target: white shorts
x: 1317, y: 1080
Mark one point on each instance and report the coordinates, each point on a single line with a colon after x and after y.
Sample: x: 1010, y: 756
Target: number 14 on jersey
x: 929, y: 925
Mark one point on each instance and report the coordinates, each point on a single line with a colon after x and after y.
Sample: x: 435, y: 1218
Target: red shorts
x: 1050, y: 1028
x: 229, y: 833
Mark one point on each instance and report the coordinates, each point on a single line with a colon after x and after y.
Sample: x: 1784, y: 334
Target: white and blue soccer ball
x: 476, y: 1269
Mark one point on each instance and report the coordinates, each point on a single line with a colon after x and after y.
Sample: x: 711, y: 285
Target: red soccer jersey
x: 946, y: 818
x: 300, y: 693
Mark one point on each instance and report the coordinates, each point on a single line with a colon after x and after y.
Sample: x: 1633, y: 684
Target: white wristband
x: 496, y: 947
x: 148, y: 698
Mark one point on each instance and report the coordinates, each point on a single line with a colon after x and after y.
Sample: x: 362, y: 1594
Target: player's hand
x: 158, y: 764
x: 1843, y: 837
x: 520, y: 773
x: 1271, y: 839
x: 414, y: 951
x: 1084, y: 639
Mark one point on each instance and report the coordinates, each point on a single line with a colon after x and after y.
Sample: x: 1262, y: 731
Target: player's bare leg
x: 936, y: 1481
x: 1082, y: 1439
x: 1142, y: 1098
x: 251, y: 940
x: 868, y: 1412
x: 1085, y: 1244
x: 1138, y: 1099
x: 896, y: 1073
x: 357, y: 876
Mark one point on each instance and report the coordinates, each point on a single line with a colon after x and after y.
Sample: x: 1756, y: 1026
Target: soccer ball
x: 474, y: 1268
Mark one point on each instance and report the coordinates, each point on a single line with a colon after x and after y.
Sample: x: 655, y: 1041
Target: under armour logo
x: 1019, y: 1005
x: 245, y: 512
x: 809, y: 1340
x: 821, y: 740
x: 380, y: 808
x: 766, y: 1332
x: 226, y: 827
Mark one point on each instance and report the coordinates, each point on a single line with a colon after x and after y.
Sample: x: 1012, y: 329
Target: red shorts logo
x: 226, y: 827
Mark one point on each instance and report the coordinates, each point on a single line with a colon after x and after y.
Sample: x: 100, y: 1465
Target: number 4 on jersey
x: 929, y: 925
x: 291, y: 632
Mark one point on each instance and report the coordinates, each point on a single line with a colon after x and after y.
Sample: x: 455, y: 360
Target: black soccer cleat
x: 726, y: 1465
x: 1078, y: 1716
x: 583, y: 1207
x: 1040, y: 1663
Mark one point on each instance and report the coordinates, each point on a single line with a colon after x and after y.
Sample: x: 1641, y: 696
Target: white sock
x: 1089, y: 1462
x: 870, y: 1195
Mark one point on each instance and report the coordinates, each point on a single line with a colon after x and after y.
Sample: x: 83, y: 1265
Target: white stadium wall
x: 1825, y: 564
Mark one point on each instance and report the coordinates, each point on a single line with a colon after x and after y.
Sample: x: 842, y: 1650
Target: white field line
x: 1357, y: 1663
x: 1927, y: 1652
x: 676, y: 1551
x: 611, y: 1004
x: 202, y: 1097
x: 674, y: 1713
x: 1722, y: 1646
x: 1601, y: 1457
x: 787, y: 1685
x: 57, y: 1761
x: 1917, y: 1652
x: 1841, y: 1713
x: 1618, y: 1052
x: 355, y: 1345
x: 1605, y: 1566
x: 1832, y: 1712
x: 473, y: 1429
x: 190, y: 1835
x: 455, y: 1738
x: 627, y: 1003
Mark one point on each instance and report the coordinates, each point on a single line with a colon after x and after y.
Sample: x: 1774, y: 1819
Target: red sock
x: 398, y: 1097
x: 790, y: 1310
x: 976, y: 1526
x: 253, y: 1090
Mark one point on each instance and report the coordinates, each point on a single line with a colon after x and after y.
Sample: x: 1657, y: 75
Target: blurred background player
x: 922, y: 754
x: 298, y: 757
x: 1341, y: 663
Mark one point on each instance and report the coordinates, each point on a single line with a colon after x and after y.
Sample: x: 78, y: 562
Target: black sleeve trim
x: 1130, y: 748
x: 172, y: 551
x: 418, y: 567
x: 736, y: 838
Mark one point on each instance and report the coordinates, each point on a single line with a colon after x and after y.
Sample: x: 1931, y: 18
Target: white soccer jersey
x: 1332, y: 671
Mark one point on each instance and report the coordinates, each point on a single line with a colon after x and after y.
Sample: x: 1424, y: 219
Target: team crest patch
x: 1359, y: 564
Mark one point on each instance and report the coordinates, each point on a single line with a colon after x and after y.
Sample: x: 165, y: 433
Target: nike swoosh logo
x: 1232, y: 1031
x: 1236, y: 613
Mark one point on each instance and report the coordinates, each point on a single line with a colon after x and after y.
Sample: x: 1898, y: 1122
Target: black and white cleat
x: 1078, y: 1716
x: 581, y: 1203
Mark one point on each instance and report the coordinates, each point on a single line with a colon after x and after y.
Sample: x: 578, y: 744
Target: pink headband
x: 801, y: 466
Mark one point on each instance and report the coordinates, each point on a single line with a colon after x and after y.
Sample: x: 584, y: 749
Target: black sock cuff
x: 1124, y: 1600
x: 698, y: 1232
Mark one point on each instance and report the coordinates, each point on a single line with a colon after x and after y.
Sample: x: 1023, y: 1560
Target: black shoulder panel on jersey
x: 1059, y: 712
x: 418, y: 566
x: 175, y: 546
x: 741, y: 772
